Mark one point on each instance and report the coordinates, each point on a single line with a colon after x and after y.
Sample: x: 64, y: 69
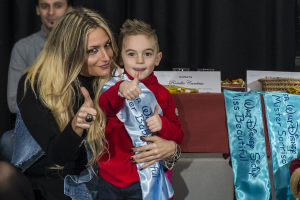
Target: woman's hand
x: 80, y: 120
x: 158, y: 150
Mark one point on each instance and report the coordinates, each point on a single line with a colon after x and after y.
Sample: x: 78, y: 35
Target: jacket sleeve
x: 110, y: 102
x: 171, y: 126
x: 17, y: 66
x: 59, y: 146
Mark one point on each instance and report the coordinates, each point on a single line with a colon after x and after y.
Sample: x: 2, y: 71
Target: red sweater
x: 115, y: 166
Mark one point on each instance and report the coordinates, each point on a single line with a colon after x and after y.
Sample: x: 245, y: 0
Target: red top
x: 115, y: 166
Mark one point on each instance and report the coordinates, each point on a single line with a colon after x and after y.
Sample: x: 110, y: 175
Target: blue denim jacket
x: 27, y: 151
x: 75, y: 186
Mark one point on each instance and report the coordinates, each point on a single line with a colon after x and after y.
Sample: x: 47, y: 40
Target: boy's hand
x: 80, y: 122
x: 130, y: 89
x: 154, y: 122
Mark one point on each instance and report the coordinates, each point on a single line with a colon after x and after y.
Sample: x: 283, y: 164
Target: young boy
x: 127, y: 120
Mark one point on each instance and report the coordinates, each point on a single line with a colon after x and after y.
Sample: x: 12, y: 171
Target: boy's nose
x: 140, y: 59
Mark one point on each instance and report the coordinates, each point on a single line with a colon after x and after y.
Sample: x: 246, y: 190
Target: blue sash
x: 154, y: 183
x: 247, y: 145
x: 283, y: 118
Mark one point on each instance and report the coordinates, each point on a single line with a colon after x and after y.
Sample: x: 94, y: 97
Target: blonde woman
x: 57, y: 99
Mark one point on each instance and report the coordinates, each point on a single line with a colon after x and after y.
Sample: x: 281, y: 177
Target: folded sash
x: 247, y: 145
x: 283, y: 118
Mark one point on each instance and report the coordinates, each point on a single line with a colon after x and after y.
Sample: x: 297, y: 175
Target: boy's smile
x: 140, y: 54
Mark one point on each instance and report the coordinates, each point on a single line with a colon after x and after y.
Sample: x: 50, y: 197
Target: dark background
x: 227, y: 35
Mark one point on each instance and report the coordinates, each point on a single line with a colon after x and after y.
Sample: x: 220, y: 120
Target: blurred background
x: 227, y: 35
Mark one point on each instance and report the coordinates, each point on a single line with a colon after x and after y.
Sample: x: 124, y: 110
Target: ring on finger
x: 89, y: 118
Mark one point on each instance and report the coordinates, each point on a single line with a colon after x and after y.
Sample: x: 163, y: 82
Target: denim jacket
x: 27, y: 151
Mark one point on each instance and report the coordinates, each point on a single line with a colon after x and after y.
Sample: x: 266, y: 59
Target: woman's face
x: 99, y: 52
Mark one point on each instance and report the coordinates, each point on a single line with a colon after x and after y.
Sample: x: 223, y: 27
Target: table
x: 203, y: 119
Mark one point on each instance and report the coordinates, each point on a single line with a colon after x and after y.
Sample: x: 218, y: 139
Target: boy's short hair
x: 136, y: 27
x: 69, y: 2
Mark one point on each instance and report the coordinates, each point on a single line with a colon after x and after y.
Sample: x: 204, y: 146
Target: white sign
x: 253, y: 76
x: 204, y: 81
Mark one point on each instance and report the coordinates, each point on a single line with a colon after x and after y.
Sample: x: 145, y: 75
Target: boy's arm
x: 171, y: 126
x: 110, y: 102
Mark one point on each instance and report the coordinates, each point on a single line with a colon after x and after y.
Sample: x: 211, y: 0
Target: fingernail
x: 142, y: 137
x: 131, y: 151
x: 134, y: 162
x: 131, y: 158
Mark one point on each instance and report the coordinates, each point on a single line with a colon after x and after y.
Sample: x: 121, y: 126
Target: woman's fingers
x: 142, y: 148
x: 82, y: 119
x: 83, y: 125
x: 87, y: 99
x: 145, y: 157
x: 152, y: 138
x: 158, y: 150
x: 148, y: 164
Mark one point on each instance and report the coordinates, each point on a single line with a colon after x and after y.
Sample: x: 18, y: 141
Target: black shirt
x: 62, y: 148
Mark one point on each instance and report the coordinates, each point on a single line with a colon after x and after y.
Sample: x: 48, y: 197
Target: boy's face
x: 50, y: 11
x: 140, y: 54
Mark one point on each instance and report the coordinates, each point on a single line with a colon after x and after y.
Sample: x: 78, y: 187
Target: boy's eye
x: 107, y: 45
x: 92, y: 51
x: 148, y: 54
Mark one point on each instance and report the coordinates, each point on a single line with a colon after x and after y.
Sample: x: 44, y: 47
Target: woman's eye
x: 107, y: 45
x: 131, y: 54
x: 92, y: 51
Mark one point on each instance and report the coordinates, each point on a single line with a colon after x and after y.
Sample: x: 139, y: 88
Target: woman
x: 57, y: 99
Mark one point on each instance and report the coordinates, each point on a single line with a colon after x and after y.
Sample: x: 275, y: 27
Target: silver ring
x: 89, y: 118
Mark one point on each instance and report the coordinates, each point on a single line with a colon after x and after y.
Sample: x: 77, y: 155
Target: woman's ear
x: 121, y: 61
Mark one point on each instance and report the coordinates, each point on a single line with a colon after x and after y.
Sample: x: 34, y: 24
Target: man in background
x: 27, y: 49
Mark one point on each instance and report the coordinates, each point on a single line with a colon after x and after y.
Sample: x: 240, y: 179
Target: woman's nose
x: 104, y: 55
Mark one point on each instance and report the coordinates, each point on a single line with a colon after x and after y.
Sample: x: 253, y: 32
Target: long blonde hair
x: 54, y: 75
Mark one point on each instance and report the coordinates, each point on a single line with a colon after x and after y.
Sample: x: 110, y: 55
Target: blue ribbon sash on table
x: 247, y: 145
x: 283, y: 118
x: 154, y: 183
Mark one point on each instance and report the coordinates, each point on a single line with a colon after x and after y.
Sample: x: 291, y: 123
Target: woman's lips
x: 104, y: 66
